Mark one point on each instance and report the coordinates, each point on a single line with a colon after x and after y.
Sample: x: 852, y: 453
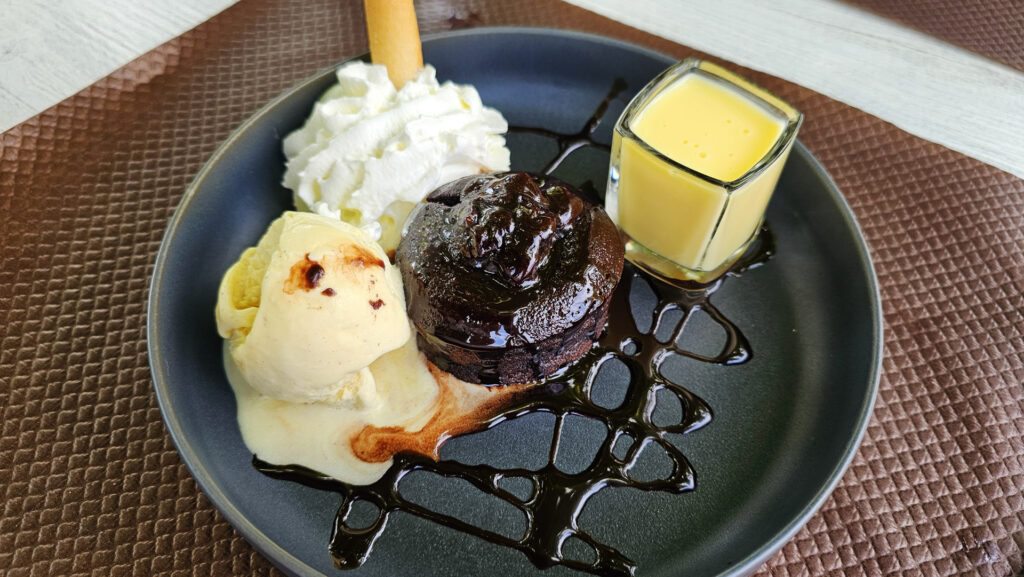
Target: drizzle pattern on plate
x: 555, y: 499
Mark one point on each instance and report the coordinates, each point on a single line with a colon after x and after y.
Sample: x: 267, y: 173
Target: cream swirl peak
x: 369, y: 152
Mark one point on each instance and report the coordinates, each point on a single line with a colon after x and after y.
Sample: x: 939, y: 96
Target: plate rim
x: 291, y: 564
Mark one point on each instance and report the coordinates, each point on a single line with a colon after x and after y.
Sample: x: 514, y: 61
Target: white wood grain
x: 51, y: 49
x: 927, y: 87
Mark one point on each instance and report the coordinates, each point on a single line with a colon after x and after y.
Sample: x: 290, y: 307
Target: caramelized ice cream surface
x: 309, y: 308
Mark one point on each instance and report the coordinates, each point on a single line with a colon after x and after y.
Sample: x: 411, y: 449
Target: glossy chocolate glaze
x: 507, y: 276
x: 557, y: 499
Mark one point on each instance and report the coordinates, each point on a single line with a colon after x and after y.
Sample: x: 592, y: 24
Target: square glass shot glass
x: 695, y: 158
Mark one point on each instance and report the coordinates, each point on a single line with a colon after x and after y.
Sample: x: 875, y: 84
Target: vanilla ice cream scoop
x: 309, y: 308
x: 369, y: 152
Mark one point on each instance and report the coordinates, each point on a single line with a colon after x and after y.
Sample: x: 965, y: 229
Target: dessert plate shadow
x: 786, y: 424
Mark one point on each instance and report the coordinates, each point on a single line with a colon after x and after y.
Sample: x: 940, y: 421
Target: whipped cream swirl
x: 368, y: 152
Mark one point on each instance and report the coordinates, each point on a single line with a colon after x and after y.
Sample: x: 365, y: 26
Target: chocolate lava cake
x: 508, y: 276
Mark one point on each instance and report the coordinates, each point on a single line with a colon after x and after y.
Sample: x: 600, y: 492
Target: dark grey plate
x: 786, y: 424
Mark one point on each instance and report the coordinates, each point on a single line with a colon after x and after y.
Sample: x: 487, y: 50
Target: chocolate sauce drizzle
x: 569, y: 143
x: 556, y: 500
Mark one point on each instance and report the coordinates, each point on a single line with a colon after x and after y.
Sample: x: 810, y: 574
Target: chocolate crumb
x: 314, y: 273
x: 304, y: 275
x: 376, y: 304
x: 328, y: 292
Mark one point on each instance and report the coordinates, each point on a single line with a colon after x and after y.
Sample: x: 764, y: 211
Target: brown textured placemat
x: 992, y: 28
x: 92, y: 485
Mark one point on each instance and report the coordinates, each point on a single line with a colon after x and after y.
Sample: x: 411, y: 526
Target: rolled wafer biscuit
x: 394, y: 38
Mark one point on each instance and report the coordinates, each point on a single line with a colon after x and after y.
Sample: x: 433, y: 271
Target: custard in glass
x: 695, y: 158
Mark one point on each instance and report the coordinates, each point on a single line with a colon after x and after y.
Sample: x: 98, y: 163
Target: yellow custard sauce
x: 700, y: 217
x: 709, y: 127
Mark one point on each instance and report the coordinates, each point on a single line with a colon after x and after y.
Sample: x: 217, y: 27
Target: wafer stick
x: 394, y: 38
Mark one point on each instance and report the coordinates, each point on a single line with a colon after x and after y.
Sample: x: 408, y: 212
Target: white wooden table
x: 51, y: 50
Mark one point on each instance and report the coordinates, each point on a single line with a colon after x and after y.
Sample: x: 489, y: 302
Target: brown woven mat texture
x: 91, y: 484
x: 992, y: 28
